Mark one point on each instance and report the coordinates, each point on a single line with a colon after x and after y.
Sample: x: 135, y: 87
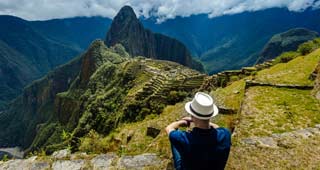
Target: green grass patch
x: 297, y: 71
x: 269, y: 110
x: 230, y: 96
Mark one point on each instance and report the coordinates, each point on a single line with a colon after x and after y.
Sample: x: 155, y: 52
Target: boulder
x: 139, y: 161
x: 68, y: 165
x: 39, y: 165
x: 153, y: 132
x: 61, y: 154
x: 103, y: 161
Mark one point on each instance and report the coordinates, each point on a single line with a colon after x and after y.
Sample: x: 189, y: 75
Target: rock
x: 104, y: 161
x: 15, y: 164
x: 153, y: 132
x: 32, y: 158
x: 304, y: 133
x: 129, y: 136
x: 317, y: 126
x: 314, y: 131
x: 139, y: 161
x: 318, y: 95
x: 236, y: 92
x: 224, y: 110
x: 61, y: 154
x: 68, y: 165
x: 267, y: 142
x: 40, y: 165
x: 249, y: 141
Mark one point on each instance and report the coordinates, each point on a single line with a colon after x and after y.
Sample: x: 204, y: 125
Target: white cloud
x: 162, y: 9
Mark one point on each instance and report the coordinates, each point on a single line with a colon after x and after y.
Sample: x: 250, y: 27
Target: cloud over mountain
x: 162, y: 9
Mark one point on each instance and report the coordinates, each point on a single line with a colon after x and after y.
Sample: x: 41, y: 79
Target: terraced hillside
x: 273, y: 113
x: 274, y: 125
x: 110, y: 89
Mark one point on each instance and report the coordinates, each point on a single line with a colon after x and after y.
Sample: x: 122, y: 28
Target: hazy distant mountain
x: 26, y: 55
x: 232, y: 41
x: 79, y: 32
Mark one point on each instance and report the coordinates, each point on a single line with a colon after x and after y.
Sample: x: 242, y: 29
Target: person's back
x: 205, y: 147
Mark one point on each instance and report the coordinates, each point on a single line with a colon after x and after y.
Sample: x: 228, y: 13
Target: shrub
x: 176, y: 96
x: 95, y: 143
x: 286, y: 57
x: 234, y: 78
x: 5, y: 158
x: 306, y: 48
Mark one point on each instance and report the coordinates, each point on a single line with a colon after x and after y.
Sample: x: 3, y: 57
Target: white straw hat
x: 202, y: 106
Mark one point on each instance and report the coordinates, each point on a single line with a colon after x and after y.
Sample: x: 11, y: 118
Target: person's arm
x: 213, y: 125
x: 175, y: 125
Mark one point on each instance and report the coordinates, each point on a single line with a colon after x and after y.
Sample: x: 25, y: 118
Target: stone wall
x: 224, y: 78
x: 63, y: 160
x: 316, y: 90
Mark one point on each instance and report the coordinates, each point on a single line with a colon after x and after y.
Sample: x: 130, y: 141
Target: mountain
x: 286, y: 41
x: 26, y: 55
x: 233, y: 41
x: 77, y: 32
x: 101, y: 89
x: 275, y: 117
x: 127, y: 30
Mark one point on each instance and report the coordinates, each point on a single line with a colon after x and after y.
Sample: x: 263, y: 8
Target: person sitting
x: 207, y: 146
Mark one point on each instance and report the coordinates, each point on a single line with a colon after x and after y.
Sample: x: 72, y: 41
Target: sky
x: 161, y: 9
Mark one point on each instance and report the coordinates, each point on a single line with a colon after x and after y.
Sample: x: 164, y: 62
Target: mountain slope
x: 26, y: 55
x: 100, y: 90
x: 272, y: 123
x: 15, y: 72
x: 127, y: 30
x: 287, y: 41
x: 78, y: 32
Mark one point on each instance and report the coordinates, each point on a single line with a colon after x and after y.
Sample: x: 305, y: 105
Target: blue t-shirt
x: 201, y: 148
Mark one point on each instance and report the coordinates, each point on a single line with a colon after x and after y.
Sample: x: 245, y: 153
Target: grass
x: 230, y: 96
x: 268, y: 110
x: 297, y: 71
x: 140, y: 143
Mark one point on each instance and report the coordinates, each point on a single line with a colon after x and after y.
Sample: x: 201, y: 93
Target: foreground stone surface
x: 99, y: 162
x: 287, y: 139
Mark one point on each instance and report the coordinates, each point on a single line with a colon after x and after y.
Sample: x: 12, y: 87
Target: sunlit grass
x: 297, y: 71
x: 230, y: 96
x: 270, y: 110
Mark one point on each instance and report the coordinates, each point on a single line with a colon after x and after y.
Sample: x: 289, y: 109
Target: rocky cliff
x: 286, y: 41
x: 127, y: 30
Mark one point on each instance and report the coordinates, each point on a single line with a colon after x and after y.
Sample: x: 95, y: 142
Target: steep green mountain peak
x: 126, y: 29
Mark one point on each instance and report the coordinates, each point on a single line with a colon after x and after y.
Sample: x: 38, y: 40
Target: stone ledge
x: 250, y: 83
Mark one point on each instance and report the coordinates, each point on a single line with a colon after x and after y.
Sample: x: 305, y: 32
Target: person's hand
x: 213, y: 125
x: 188, y: 120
